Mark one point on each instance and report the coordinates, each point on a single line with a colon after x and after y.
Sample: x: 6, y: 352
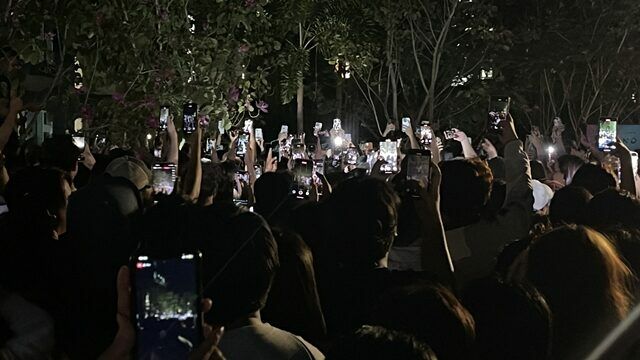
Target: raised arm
x: 193, y: 177
x: 172, y: 143
x: 435, y: 255
x: 467, y: 148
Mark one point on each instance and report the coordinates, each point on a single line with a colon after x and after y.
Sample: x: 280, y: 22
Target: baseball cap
x: 542, y: 195
x: 132, y: 169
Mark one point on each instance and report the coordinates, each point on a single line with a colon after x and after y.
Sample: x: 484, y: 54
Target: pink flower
x: 249, y: 3
x: 243, y: 49
x: 204, y: 120
x: 234, y: 94
x: 262, y: 106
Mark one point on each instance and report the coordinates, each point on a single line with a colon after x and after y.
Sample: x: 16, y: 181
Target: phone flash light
x: 149, y: 137
x: 187, y: 256
x: 551, y: 149
x: 338, y: 141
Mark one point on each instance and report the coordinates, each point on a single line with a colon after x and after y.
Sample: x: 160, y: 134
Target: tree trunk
x: 339, y: 97
x: 300, y: 108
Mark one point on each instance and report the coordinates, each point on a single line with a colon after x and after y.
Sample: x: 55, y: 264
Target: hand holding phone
x: 166, y: 305
x: 498, y: 111
x: 607, y: 134
x: 302, y: 178
x: 164, y: 118
x: 406, y: 124
x: 163, y: 178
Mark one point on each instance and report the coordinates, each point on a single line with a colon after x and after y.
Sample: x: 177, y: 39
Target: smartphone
x: 243, y: 144
x: 208, y: 146
x: 259, y: 135
x: 243, y: 176
x: 318, y: 166
x: 425, y: 134
x: 221, y: 127
x: 297, y: 151
x: 189, y: 116
x: 634, y: 162
x: 166, y: 305
x: 325, y: 141
x: 389, y: 154
x: 247, y: 125
x: 163, y: 177
x: 284, y: 129
x: 316, y: 128
x: 164, y: 118
x: 78, y: 141
x: 607, y: 134
x: 352, y: 155
x: 337, y: 124
x: 406, y: 123
x: 302, y: 178
x: 419, y: 166
x: 258, y: 171
x: 448, y: 134
x: 498, y: 111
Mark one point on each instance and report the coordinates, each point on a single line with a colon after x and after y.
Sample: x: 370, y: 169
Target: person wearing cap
x: 135, y: 171
x: 542, y: 195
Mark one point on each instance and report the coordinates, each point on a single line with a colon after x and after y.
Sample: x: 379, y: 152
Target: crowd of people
x: 506, y: 251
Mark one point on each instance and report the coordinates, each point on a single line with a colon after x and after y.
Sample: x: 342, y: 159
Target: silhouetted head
x: 61, y: 153
x: 37, y: 199
x: 593, y: 178
x: 431, y: 313
x: 271, y: 191
x: 568, y: 205
x: 363, y: 215
x: 512, y: 321
x: 537, y: 170
x: 584, y: 282
x: 378, y: 343
x: 242, y: 261
x: 569, y: 165
x: 465, y: 190
x: 612, y: 208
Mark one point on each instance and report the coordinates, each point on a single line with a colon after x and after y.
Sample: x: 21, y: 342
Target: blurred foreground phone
x: 78, y: 141
x: 166, y: 305
x: 607, y: 134
x: 389, y: 154
x: 189, y: 116
x: 302, y: 178
x: 164, y: 118
x: 419, y: 167
x: 164, y: 178
x: 498, y: 111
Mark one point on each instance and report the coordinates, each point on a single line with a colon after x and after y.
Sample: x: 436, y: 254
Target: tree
x: 574, y: 59
x: 428, y: 60
x: 140, y: 54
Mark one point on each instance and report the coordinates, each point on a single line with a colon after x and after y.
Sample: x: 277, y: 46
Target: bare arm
x: 467, y: 149
x: 627, y: 177
x: 435, y: 255
x: 172, y: 143
x: 193, y: 177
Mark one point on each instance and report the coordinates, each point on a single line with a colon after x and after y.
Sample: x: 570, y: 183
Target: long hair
x: 586, y: 283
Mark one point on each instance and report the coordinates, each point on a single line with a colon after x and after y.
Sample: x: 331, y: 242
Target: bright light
x: 551, y: 150
x: 338, y: 141
x: 149, y: 136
